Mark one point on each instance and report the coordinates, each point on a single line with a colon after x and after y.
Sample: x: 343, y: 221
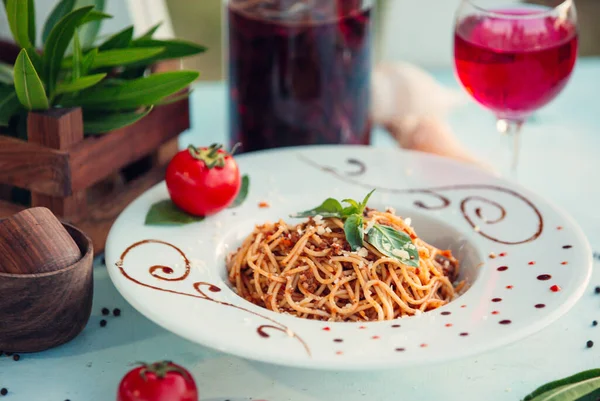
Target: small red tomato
x: 203, y: 181
x: 161, y: 381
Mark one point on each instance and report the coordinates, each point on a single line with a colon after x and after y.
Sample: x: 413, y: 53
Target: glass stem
x: 512, y: 129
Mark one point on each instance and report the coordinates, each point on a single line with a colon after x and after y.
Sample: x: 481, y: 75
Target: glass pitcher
x: 299, y: 72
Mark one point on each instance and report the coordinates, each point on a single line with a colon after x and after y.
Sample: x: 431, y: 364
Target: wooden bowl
x: 43, y: 310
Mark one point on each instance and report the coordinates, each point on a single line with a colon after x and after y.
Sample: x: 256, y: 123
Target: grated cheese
x: 407, y: 221
x: 401, y: 253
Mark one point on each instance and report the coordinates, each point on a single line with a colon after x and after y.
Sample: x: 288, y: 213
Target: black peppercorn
x: 595, y: 323
x: 3, y: 391
x: 16, y: 357
x: 105, y: 311
x: 597, y: 290
x: 590, y: 344
x: 102, y: 323
x: 117, y: 312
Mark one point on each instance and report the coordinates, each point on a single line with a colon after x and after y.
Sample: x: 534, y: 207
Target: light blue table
x: 560, y: 161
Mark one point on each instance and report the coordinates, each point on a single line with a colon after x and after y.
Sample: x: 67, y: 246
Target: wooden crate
x: 85, y: 180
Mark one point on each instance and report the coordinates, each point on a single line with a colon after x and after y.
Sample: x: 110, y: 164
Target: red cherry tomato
x: 203, y: 181
x: 161, y: 381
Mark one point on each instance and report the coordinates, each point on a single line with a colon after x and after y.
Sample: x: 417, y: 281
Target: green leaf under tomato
x: 165, y: 213
x: 243, y: 194
x: 387, y: 239
x: 571, y: 392
x: 353, y: 228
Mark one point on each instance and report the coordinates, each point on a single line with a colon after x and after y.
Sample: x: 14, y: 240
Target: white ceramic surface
x: 537, y: 247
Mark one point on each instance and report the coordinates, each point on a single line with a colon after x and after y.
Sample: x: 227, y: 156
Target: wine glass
x: 515, y: 58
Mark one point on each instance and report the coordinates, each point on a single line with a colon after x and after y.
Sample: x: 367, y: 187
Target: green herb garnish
x: 568, y: 389
x: 387, y: 240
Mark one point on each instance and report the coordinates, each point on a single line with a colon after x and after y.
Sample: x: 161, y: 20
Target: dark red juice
x: 514, y: 67
x: 299, y: 72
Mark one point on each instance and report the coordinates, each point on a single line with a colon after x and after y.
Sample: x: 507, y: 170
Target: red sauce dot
x: 567, y: 246
x: 464, y: 334
x: 496, y: 299
x: 559, y: 228
x: 564, y: 263
x: 339, y: 353
x: 503, y: 254
x: 495, y: 312
x: 400, y: 349
x: 555, y: 288
x: 375, y: 337
x: 448, y: 324
x: 338, y: 340
x: 540, y: 306
x: 505, y: 322
x: 509, y: 287
x: 531, y: 263
x: 362, y: 327
x: 446, y: 313
x: 167, y: 270
x: 502, y: 268
x: 423, y: 345
x: 463, y: 306
x: 395, y: 326
x: 544, y: 277
x: 326, y: 329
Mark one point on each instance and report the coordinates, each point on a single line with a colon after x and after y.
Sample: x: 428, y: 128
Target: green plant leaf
x: 88, y: 60
x: 79, y: 84
x: 92, y: 26
x: 353, y: 228
x: 31, y: 25
x: 330, y: 208
x: 9, y: 104
x: 6, y: 74
x: 37, y: 61
x: 576, y: 378
x: 77, y: 56
x: 94, y: 16
x: 100, y: 123
x: 243, y: 194
x: 28, y: 85
x: 387, y: 240
x: 570, y: 392
x: 57, y: 43
x: 135, y: 93
x: 174, y: 99
x: 118, y: 57
x: 165, y: 213
x: 174, y: 48
x: 150, y: 32
x: 19, y: 20
x: 120, y: 40
x: 60, y: 10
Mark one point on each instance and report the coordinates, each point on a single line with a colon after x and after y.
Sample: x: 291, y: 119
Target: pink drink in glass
x: 514, y: 67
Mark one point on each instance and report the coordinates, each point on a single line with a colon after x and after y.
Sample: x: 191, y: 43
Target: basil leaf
x: 28, y: 85
x: 570, y: 392
x: 585, y: 375
x: 243, y: 194
x: 354, y: 208
x: 330, y: 208
x: 99, y: 122
x: 60, y: 10
x: 119, y: 40
x: 57, y: 43
x: 353, y: 228
x: 134, y: 93
x: 79, y: 84
x: 387, y: 239
x: 363, y: 204
x: 165, y: 213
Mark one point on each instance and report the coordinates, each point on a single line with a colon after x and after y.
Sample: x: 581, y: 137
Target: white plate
x: 451, y: 205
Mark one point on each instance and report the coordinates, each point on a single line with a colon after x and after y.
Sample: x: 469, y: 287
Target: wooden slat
x: 97, y: 157
x: 34, y: 167
x: 104, y: 210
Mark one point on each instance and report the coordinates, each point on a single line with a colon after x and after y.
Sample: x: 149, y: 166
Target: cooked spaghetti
x: 309, y: 271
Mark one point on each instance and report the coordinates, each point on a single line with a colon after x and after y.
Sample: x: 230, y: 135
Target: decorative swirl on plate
x: 500, y: 212
x: 155, y: 271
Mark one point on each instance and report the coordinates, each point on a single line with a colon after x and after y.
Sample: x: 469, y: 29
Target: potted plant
x: 75, y: 109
